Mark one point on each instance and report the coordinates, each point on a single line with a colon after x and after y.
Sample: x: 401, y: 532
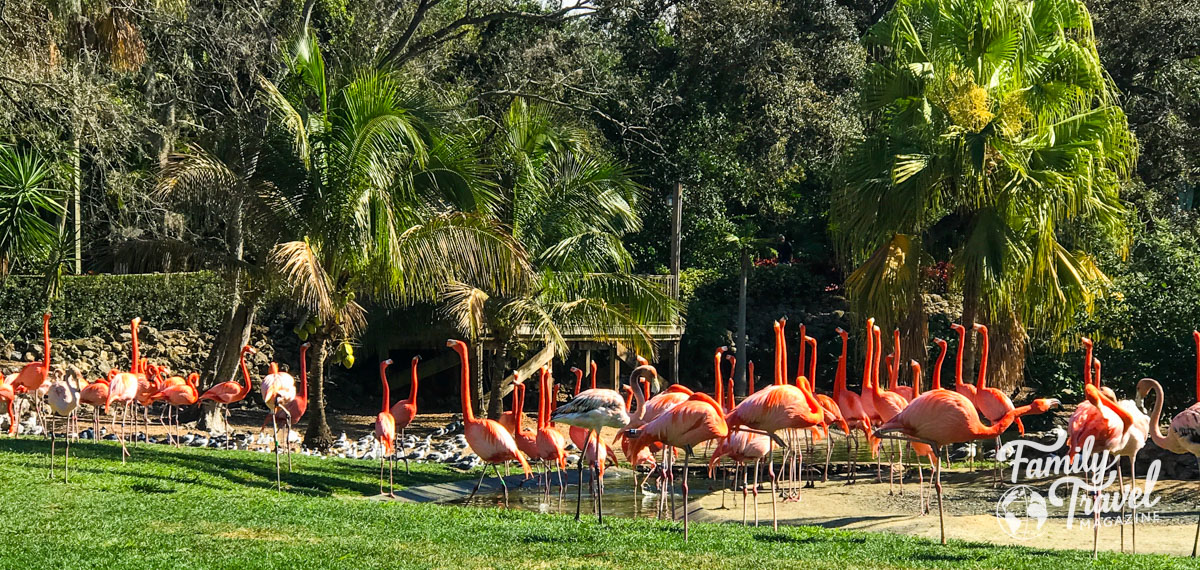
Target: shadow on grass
x: 243, y: 468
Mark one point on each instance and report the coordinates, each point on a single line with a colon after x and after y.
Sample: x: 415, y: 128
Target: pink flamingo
x: 893, y: 367
x: 851, y: 405
x: 593, y: 409
x: 487, y: 438
x: 123, y: 388
x: 279, y: 389
x: 777, y: 407
x: 833, y: 413
x: 549, y: 443
x: 990, y: 402
x: 64, y: 401
x: 7, y: 396
x: 1183, y: 434
x: 695, y: 421
x: 403, y: 411
x: 385, y: 432
x: 941, y: 417
x: 1107, y: 425
x: 295, y: 409
x: 886, y: 404
x: 178, y: 396
x: 33, y: 376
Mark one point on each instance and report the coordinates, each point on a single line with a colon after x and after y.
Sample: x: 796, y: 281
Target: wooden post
x: 614, y: 368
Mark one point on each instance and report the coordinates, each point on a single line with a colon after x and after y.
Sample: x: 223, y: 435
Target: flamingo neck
x: 412, y: 390
x: 812, y: 362
x: 916, y: 372
x: 800, y: 356
x: 578, y: 380
x: 750, y: 378
x: 783, y: 372
x: 937, y: 369
x: 962, y: 339
x: 981, y: 382
x: 887, y: 363
x: 516, y: 403
x: 778, y: 372
x: 245, y: 372
x: 839, y: 379
x: 133, y: 364
x: 1156, y: 417
x: 719, y: 388
x: 542, y: 389
x: 592, y: 369
x: 548, y: 396
x: 45, y: 347
x: 729, y: 395
x: 875, y: 365
x: 1087, y: 364
x: 895, y: 372
x: 641, y: 395
x: 1126, y: 418
x: 866, y: 381
x: 387, y: 393
x: 465, y: 381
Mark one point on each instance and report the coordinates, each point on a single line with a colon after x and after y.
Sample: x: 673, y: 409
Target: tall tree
x: 997, y: 144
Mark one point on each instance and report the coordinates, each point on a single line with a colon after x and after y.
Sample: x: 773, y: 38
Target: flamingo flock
x: 653, y: 429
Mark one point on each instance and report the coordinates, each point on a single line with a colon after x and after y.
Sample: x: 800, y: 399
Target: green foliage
x: 95, y: 304
x: 30, y: 205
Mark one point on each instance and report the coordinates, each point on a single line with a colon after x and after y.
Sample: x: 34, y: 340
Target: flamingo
x: 511, y: 419
x: 697, y: 420
x: 33, y: 375
x: 549, y: 443
x: 920, y: 449
x: 385, y: 432
x: 64, y: 401
x: 886, y: 404
x: 893, y: 367
x: 851, y: 406
x: 296, y: 408
x: 487, y: 438
x: 403, y: 410
x: 230, y: 392
x: 278, y: 389
x: 1108, y: 425
x: 7, y: 397
x: 1183, y: 433
x: 177, y: 397
x: 777, y: 407
x: 593, y: 409
x: 123, y: 388
x: 941, y: 417
x: 1133, y: 440
x: 833, y: 413
x: 95, y: 394
x: 990, y: 402
x: 525, y: 437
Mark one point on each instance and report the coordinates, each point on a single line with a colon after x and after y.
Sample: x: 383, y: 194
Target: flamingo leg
x: 1133, y: 483
x: 998, y: 470
x: 774, y: 487
x: 600, y: 457
x: 473, y: 491
x: 937, y: 485
x: 52, y: 442
x: 1196, y: 541
x: 279, y: 483
x: 579, y: 487
x: 503, y: 485
x: 287, y: 440
x: 828, y: 456
x: 687, y: 455
x: 754, y: 491
x: 744, y: 492
x: 67, y: 453
x: 391, y: 475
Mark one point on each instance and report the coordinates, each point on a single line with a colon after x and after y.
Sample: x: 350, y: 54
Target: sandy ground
x: 970, y: 505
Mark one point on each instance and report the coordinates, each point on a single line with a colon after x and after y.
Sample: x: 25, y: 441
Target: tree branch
x: 406, y: 49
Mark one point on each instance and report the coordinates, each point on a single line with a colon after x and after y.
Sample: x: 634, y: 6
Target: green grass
x: 192, y: 508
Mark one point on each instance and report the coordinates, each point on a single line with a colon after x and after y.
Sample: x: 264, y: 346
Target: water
x: 621, y: 499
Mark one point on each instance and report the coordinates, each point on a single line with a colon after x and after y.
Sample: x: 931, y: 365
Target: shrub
x: 92, y: 304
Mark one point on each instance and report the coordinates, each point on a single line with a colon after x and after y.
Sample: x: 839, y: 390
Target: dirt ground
x: 970, y: 508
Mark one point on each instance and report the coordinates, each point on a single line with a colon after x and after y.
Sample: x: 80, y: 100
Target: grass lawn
x: 191, y: 508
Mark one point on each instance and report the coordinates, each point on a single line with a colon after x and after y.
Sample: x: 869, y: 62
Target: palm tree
x: 996, y: 145
x: 381, y: 199
x: 569, y: 207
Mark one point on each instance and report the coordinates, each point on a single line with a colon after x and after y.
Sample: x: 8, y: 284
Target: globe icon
x: 1021, y: 512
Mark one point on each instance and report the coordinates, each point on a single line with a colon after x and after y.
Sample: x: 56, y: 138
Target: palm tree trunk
x: 971, y: 303
x: 318, y: 435
x: 500, y: 365
x: 914, y: 337
x: 227, y: 350
x: 739, y: 375
x: 1009, y: 344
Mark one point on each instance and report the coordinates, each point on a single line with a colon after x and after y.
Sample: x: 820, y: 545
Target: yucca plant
x: 30, y: 208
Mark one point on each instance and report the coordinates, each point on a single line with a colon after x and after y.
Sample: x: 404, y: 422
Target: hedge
x: 93, y: 304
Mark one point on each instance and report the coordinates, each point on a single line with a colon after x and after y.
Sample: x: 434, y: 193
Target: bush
x: 93, y: 304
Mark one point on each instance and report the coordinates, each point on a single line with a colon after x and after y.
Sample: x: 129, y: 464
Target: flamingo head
x: 958, y: 328
x: 1043, y: 405
x: 1087, y: 342
x: 1145, y: 385
x: 980, y: 328
x: 416, y: 359
x: 575, y: 370
x: 940, y: 342
x: 641, y: 360
x: 136, y: 321
x: 249, y: 350
x: 842, y: 333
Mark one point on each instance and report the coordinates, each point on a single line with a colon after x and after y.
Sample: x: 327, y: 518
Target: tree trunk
x: 743, y: 353
x: 1006, y: 358
x: 475, y: 359
x: 970, y: 303
x: 228, y: 352
x: 914, y: 339
x: 318, y: 435
x: 500, y: 365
